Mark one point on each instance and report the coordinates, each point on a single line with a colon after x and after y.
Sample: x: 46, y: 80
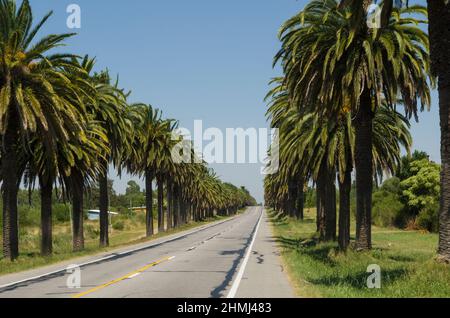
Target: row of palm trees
x: 63, y: 125
x: 336, y: 106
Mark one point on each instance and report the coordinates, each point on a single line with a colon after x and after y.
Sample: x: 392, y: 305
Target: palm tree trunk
x: 104, y: 206
x: 10, y: 187
x: 344, y: 210
x: 321, y: 204
x: 77, y: 211
x: 292, y: 198
x: 183, y: 211
x: 319, y: 207
x: 364, y: 172
x: 170, y: 214
x: 160, y: 205
x: 188, y: 212
x: 326, y: 213
x: 195, y: 212
x: 439, y: 17
x: 149, y: 231
x: 300, y: 204
x: 330, y: 212
x: 175, y: 208
x: 46, y: 190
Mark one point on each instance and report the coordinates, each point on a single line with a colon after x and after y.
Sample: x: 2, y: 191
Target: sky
x: 208, y: 60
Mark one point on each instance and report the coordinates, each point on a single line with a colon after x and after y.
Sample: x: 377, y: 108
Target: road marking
x: 127, y: 276
x: 240, y: 274
x: 114, y: 255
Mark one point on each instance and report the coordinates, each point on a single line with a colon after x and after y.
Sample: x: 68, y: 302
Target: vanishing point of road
x: 237, y: 257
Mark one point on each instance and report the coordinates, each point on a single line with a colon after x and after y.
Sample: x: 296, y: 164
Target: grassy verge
x: 406, y: 259
x: 133, y: 233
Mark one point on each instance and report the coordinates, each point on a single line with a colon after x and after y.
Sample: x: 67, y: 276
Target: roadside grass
x: 406, y: 258
x: 132, y: 233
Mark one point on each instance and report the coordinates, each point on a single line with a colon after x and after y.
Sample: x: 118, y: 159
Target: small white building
x: 95, y: 214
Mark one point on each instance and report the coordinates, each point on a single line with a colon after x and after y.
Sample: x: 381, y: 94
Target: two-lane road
x: 235, y: 258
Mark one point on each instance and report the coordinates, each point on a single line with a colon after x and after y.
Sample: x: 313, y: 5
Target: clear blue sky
x: 196, y: 59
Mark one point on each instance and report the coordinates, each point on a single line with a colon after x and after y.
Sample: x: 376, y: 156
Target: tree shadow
x: 309, y: 247
x: 359, y: 280
x: 401, y: 258
x: 277, y: 218
x: 307, y: 221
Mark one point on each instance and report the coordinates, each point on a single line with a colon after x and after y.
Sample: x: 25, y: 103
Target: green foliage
x: 392, y: 185
x: 403, y: 171
x: 29, y: 215
x: 61, y: 212
x: 310, y: 198
x: 428, y: 218
x: 386, y: 208
x: 413, y: 201
x: 118, y: 225
x: 422, y: 189
x: 91, y: 231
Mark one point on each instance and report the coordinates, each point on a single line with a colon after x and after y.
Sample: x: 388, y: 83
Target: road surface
x: 232, y: 258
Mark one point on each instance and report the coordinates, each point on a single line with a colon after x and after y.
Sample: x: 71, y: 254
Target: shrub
x: 140, y: 218
x: 61, y: 212
x: 118, y: 225
x: 387, y: 209
x: 91, y: 231
x: 29, y: 215
x: 428, y: 218
x: 422, y: 189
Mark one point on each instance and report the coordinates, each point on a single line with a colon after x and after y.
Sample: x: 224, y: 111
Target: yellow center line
x: 140, y: 270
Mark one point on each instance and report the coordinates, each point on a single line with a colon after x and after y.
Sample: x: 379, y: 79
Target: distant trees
x: 411, y: 198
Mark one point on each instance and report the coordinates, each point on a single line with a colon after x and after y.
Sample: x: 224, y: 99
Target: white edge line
x: 117, y: 254
x: 134, y: 275
x: 240, y: 274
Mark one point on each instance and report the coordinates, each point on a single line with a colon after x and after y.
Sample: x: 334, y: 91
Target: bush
x: 387, y: 209
x: 29, y: 215
x: 118, y: 225
x: 91, y: 231
x: 61, y: 212
x: 140, y: 218
x: 428, y: 218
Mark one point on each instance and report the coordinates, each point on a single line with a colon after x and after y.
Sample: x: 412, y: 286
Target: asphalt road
x: 235, y: 258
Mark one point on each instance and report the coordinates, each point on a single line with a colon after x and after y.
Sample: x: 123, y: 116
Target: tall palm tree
x: 153, y: 140
x: 36, y: 97
x: 328, y: 61
x: 439, y: 15
x: 110, y: 110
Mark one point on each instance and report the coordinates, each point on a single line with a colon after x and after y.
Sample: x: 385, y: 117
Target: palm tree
x: 36, y: 97
x: 110, y: 110
x: 87, y: 152
x: 439, y: 15
x: 153, y: 140
x: 328, y: 62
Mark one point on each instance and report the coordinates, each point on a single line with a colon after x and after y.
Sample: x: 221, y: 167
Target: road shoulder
x: 265, y: 276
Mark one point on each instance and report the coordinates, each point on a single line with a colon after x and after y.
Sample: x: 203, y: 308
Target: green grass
x: 406, y: 259
x: 133, y: 233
